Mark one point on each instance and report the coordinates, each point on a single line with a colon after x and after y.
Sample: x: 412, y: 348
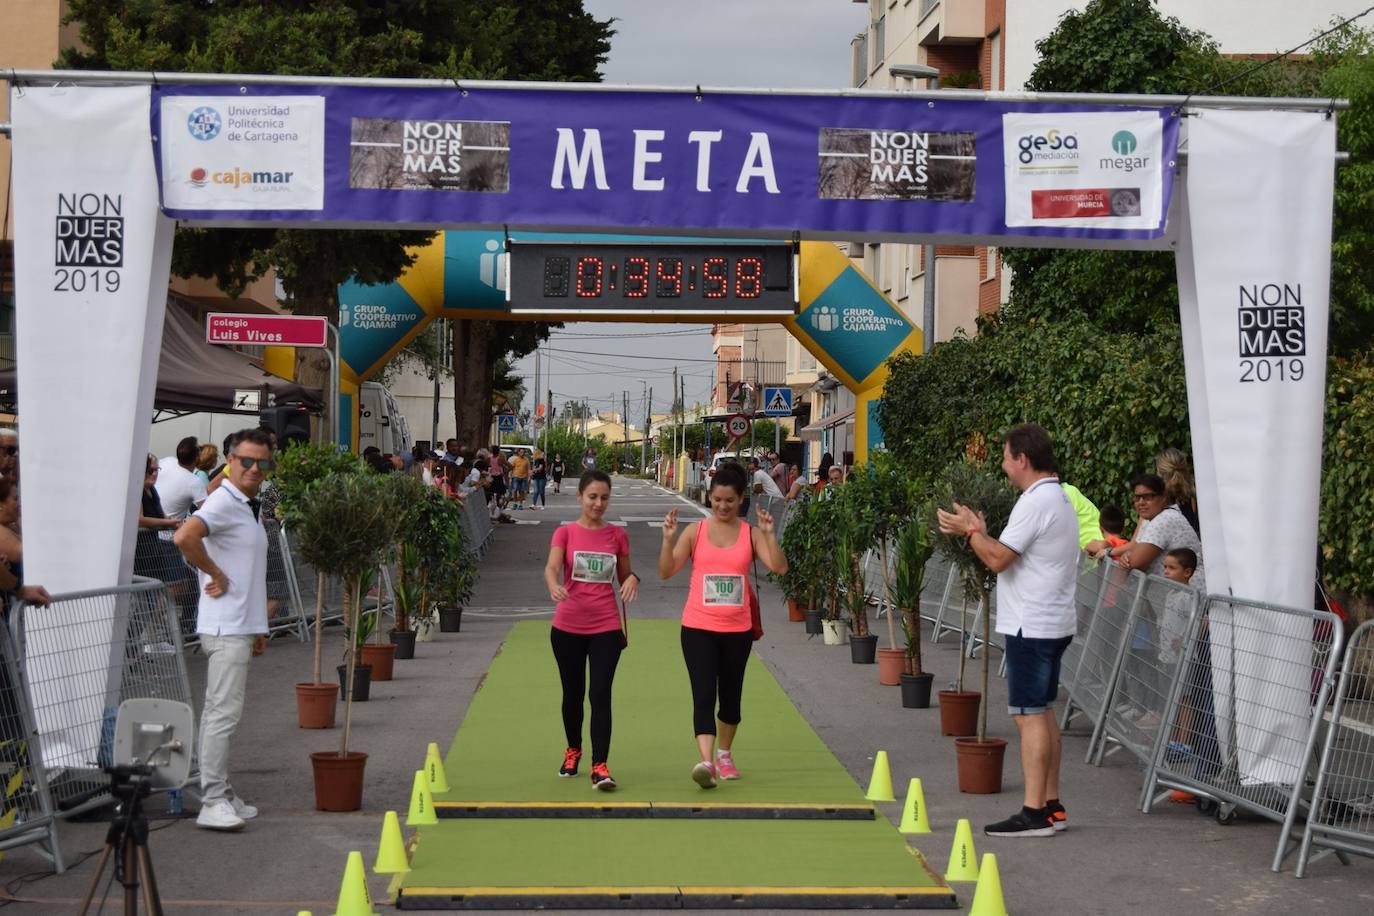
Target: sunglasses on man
x: 263, y: 464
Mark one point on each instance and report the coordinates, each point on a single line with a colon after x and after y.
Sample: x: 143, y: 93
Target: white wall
x: 1238, y: 26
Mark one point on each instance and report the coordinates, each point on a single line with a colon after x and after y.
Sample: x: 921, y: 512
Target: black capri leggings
x: 715, y: 666
x: 575, y: 652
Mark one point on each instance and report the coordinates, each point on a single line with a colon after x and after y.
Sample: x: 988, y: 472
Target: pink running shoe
x: 725, y: 766
x: 704, y: 775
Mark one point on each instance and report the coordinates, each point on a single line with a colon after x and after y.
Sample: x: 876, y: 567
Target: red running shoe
x: 570, y: 758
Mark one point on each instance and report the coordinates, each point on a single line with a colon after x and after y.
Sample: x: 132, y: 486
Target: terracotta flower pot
x: 380, y: 658
x: 980, y: 765
x: 795, y: 613
x: 891, y: 664
x: 338, y: 780
x: 916, y: 690
x: 315, y: 705
x: 959, y: 712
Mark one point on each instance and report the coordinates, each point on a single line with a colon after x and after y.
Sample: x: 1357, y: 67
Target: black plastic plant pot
x: 916, y: 690
x: 863, y: 650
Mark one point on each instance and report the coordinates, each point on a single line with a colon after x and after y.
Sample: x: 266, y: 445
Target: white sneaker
x: 243, y: 809
x: 219, y: 816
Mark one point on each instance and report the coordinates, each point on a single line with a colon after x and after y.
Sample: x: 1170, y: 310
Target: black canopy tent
x: 194, y: 376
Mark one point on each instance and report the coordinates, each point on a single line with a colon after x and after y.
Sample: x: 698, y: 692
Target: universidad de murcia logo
x: 204, y: 123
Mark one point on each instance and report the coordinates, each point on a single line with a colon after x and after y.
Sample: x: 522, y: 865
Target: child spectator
x: 1179, y: 566
x: 1112, y: 521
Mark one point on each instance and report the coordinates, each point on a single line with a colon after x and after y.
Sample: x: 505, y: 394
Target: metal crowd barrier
x: 27, y: 814
x: 1102, y: 643
x: 1155, y: 634
x: 285, y: 615
x: 1341, y: 819
x: 476, y: 522
x: 79, y: 659
x: 1251, y: 735
x: 939, y: 585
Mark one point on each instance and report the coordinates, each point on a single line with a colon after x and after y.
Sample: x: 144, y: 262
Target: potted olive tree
x: 980, y: 758
x: 342, y: 530
x: 401, y: 497
x: 853, y: 534
x: 297, y: 467
x: 802, y: 545
x: 454, y: 581
x: 912, y: 547
x: 880, y: 488
x: 436, y: 547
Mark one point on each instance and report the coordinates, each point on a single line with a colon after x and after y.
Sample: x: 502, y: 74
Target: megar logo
x: 1053, y: 144
x: 1123, y: 142
x: 204, y: 123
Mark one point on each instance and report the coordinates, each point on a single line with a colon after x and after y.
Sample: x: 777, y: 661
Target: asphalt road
x: 1112, y: 860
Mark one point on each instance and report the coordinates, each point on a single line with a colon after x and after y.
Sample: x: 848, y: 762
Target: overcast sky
x: 784, y: 44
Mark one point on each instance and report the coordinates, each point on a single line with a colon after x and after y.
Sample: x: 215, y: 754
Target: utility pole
x: 672, y: 399
x: 441, y: 341
x: 534, y: 430
x: 644, y: 440
x: 624, y: 424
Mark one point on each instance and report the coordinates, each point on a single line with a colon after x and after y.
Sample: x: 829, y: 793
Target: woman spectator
x: 1162, y: 528
x: 206, y: 462
x: 1172, y: 466
x: 539, y: 474
x: 823, y: 472
x: 12, y: 551
x: 157, y: 558
x: 795, y: 483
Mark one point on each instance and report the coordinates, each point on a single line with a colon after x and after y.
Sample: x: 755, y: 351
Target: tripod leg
x: 152, y: 900
x: 131, y: 873
x: 95, y: 880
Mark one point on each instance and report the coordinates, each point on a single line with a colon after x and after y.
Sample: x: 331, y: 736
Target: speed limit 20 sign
x: 737, y: 426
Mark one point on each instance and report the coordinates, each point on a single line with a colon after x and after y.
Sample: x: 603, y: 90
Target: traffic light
x: 290, y: 424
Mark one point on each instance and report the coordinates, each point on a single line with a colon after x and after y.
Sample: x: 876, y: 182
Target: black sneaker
x: 1021, y: 824
x: 570, y: 758
x: 1058, y: 817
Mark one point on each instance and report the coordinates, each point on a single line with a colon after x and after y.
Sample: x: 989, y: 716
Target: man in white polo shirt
x: 226, y: 541
x: 1035, y: 558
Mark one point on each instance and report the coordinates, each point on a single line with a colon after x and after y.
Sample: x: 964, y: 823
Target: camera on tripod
x: 152, y: 750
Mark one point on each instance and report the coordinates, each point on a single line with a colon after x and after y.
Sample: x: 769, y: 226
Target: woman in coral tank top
x: 716, y: 624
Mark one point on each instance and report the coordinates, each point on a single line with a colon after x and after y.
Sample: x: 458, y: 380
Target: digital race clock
x: 753, y: 278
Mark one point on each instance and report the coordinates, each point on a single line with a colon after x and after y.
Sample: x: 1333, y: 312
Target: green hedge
x: 1112, y: 401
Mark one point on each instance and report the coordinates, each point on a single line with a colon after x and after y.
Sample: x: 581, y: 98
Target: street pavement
x: 1113, y: 859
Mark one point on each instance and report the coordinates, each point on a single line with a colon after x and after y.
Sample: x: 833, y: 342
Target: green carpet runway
x: 513, y: 835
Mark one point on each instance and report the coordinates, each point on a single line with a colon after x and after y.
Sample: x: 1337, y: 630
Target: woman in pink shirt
x: 587, y: 559
x: 716, y: 623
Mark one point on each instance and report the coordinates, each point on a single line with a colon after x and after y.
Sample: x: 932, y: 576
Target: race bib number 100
x: 590, y: 566
x: 722, y: 591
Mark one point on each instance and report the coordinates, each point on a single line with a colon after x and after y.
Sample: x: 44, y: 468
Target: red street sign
x: 266, y: 330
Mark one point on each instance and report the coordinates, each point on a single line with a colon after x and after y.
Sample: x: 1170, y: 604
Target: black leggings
x: 574, y: 651
x: 715, y: 666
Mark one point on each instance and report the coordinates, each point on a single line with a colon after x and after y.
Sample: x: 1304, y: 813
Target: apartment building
x: 990, y: 45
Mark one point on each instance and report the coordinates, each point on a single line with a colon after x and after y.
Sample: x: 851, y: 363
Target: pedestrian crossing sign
x: 777, y: 402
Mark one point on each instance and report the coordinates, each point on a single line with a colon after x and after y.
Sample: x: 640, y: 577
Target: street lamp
x: 921, y: 71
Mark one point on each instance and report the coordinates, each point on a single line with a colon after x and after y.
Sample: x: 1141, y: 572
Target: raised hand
x: 670, y: 525
x: 765, y: 521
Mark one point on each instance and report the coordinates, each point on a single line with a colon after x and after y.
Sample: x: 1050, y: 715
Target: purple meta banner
x: 825, y: 166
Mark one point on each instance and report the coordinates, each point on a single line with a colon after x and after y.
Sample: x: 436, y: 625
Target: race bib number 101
x: 590, y: 566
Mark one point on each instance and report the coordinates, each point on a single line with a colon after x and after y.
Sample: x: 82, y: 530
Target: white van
x: 380, y: 421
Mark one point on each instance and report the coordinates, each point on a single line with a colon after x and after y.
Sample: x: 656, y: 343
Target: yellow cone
x: 963, y: 859
x: 914, y: 819
x: 880, y: 786
x: 434, y: 769
x: 353, y: 898
x: 421, y: 803
x: 987, y: 897
x: 391, y: 851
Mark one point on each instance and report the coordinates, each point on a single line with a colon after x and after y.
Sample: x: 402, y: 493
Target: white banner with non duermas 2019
x: 92, y: 255
x: 1254, y: 264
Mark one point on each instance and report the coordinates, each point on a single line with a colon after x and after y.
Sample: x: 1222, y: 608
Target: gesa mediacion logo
x: 1052, y: 144
x: 258, y: 180
x: 204, y: 123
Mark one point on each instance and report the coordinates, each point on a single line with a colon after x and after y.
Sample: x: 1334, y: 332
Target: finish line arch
x: 1248, y: 215
x: 460, y: 275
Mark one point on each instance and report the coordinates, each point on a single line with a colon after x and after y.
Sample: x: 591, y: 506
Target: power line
x: 677, y: 333
x: 1276, y: 58
x: 670, y: 359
